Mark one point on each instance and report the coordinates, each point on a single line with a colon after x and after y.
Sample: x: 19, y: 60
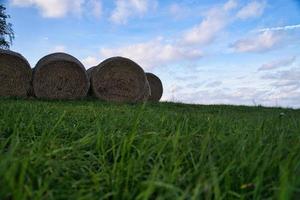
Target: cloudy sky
x: 205, y: 51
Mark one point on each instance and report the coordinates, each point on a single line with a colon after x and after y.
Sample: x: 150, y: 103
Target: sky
x: 242, y: 52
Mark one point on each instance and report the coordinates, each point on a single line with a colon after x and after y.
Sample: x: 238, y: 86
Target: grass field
x: 96, y: 150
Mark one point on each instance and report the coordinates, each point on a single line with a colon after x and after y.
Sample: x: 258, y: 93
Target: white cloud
x: 61, y: 8
x: 90, y: 61
x: 128, y: 8
x: 252, y: 9
x: 170, y: 92
x: 52, y: 8
x: 214, y: 84
x: 281, y: 28
x: 253, y: 96
x: 153, y: 53
x: 280, y: 89
x: 22, y: 2
x: 285, y: 62
x: 96, y: 7
x: 238, y: 96
x: 231, y: 4
x: 59, y: 48
x: 175, y: 88
x: 286, y: 85
x: 176, y: 10
x: 215, y: 20
x: 262, y: 42
x: 292, y: 74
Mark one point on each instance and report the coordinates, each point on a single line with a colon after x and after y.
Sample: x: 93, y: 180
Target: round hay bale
x: 119, y: 79
x: 155, y: 86
x: 60, y: 76
x: 15, y: 74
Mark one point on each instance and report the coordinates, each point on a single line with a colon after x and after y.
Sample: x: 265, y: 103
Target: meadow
x: 96, y: 150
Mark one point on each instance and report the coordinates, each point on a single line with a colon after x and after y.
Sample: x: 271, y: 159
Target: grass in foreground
x: 97, y: 150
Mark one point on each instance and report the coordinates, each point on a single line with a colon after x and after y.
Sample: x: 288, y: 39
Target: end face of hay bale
x: 155, y: 86
x: 15, y: 74
x: 119, y: 79
x: 60, y: 76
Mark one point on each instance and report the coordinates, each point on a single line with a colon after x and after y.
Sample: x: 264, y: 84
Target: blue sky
x: 205, y: 51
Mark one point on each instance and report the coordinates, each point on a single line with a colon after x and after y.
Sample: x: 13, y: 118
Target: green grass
x: 97, y: 150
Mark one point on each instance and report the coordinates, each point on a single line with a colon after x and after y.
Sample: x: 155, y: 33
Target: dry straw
x: 15, y: 74
x: 119, y: 79
x: 156, y: 87
x: 60, y: 76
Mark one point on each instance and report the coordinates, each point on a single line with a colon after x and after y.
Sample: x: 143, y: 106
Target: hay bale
x: 155, y: 86
x: 15, y: 74
x: 60, y: 76
x: 119, y: 79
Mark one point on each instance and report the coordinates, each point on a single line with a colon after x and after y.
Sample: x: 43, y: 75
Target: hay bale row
x: 62, y: 76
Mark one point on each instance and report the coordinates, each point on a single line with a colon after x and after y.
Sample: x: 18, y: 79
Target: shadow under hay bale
x: 15, y: 74
x: 155, y: 86
x: 60, y: 76
x: 89, y: 73
x: 119, y: 79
